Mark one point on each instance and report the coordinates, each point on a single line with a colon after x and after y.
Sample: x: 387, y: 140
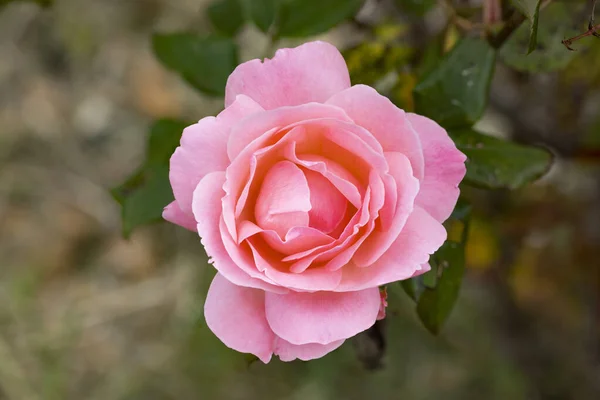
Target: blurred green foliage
x: 144, y: 195
x: 204, y: 62
x: 416, y: 7
x: 227, y: 16
x: 302, y: 18
x: 262, y: 12
x: 43, y: 3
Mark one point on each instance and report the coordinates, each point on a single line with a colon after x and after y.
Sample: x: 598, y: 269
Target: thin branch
x: 593, y: 30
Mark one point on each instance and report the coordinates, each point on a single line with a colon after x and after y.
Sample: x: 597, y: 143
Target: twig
x: 592, y: 30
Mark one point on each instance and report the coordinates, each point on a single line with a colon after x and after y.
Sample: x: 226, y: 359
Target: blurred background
x: 87, y: 314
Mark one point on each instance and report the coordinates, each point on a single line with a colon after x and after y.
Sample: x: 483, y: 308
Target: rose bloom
x: 308, y: 194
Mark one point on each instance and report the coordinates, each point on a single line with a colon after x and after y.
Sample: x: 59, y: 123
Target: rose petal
x: 377, y: 189
x: 312, y: 72
x: 383, y: 305
x: 203, y: 149
x: 384, y: 120
x: 242, y: 258
x: 254, y: 128
x: 260, y: 161
x: 422, y: 269
x: 303, y: 260
x: 284, y: 200
x: 339, y: 177
x: 321, y: 317
x: 328, y: 205
x: 289, y: 352
x: 236, y: 315
x: 421, y: 236
x: 350, y: 148
x: 207, y: 211
x: 173, y: 214
x: 408, y: 187
x: 310, y: 280
x: 299, y: 238
x: 264, y: 158
x: 444, y: 168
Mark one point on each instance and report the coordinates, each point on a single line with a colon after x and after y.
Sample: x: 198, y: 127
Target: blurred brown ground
x: 85, y: 314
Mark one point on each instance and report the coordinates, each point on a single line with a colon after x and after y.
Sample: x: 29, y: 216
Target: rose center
x: 293, y: 196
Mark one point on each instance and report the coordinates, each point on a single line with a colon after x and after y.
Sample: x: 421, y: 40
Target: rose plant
x: 308, y: 195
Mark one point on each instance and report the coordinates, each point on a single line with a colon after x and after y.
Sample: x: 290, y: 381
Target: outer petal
x: 444, y: 168
x: 203, y: 149
x: 289, y: 352
x: 173, y: 214
x: 421, y: 236
x: 207, y: 210
x: 321, y: 317
x: 312, y: 72
x: 236, y: 315
x: 384, y: 120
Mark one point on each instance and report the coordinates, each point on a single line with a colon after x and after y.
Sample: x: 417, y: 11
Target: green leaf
x: 164, y: 139
x: 416, y: 7
x: 144, y: 194
x: 227, y: 16
x: 534, y: 28
x: 560, y: 20
x: 121, y: 192
x: 455, y: 93
x: 204, y: 62
x: 300, y: 18
x: 435, y: 305
x: 462, y: 210
x: 262, y: 12
x: 531, y: 9
x: 413, y: 287
x: 144, y: 203
x: 495, y: 163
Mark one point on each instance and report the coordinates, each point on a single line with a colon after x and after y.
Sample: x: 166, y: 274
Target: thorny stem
x: 592, y: 30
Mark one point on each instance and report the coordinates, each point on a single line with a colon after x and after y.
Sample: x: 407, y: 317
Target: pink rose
x: 309, y: 194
